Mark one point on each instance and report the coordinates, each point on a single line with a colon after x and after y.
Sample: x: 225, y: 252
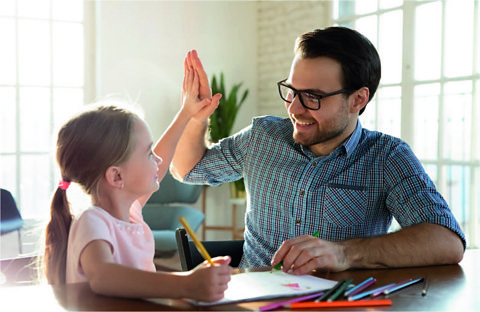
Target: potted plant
x: 223, y: 119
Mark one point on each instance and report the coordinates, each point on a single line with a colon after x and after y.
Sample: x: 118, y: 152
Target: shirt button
x: 314, y: 164
x: 302, y: 192
x: 298, y: 222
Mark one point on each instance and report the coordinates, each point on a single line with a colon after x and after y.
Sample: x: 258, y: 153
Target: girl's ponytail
x: 56, y: 236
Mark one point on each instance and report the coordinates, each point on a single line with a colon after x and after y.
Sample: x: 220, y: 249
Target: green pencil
x: 340, y: 290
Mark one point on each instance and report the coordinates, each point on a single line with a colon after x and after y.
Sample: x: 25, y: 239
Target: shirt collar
x: 351, y: 143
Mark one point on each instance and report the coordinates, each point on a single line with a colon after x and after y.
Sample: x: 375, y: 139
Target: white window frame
x: 88, y: 88
x: 408, y: 84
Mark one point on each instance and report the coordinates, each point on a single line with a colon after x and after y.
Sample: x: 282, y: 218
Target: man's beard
x: 318, y: 138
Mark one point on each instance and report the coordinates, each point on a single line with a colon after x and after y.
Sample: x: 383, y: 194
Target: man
x: 320, y: 171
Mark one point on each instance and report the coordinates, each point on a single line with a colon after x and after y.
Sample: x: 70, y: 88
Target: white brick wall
x: 279, y: 24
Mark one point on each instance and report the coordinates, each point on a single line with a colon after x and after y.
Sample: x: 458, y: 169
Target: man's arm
x: 419, y: 245
x: 190, y: 148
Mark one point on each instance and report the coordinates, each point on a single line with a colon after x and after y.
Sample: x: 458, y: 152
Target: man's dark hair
x: 356, y: 54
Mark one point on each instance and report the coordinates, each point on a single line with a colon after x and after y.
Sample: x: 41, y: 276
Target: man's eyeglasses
x: 308, y: 99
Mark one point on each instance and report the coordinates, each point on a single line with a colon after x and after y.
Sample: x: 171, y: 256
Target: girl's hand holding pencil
x: 208, y: 282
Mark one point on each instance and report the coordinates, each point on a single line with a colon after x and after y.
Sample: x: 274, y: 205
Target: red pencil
x: 340, y: 304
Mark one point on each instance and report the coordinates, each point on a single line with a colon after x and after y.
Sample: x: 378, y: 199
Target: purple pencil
x: 281, y: 304
x: 382, y: 289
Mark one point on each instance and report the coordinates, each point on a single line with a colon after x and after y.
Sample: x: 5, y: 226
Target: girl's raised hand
x: 191, y: 102
x: 192, y: 60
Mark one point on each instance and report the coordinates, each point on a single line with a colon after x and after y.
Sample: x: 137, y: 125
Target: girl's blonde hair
x: 87, y: 145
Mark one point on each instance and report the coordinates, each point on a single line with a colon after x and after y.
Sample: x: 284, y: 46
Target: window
x: 430, y: 89
x: 41, y: 83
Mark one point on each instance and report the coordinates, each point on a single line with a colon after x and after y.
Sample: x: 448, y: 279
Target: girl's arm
x: 192, y: 144
x: 206, y: 283
x: 191, y: 105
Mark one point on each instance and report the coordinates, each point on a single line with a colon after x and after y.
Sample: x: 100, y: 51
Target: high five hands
x: 192, y: 63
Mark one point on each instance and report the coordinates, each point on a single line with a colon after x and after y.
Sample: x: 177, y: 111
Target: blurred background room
x: 58, y: 55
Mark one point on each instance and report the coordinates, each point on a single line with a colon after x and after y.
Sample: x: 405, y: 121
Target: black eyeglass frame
x: 296, y: 92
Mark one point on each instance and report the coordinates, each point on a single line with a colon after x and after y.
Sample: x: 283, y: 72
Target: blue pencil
x: 355, y: 290
x: 369, y: 292
x: 401, y: 285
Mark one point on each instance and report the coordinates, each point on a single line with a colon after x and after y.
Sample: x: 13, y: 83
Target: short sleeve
x: 90, y: 226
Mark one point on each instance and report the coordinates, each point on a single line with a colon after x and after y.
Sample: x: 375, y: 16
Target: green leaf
x: 240, y: 185
x: 223, y: 118
x: 244, y: 97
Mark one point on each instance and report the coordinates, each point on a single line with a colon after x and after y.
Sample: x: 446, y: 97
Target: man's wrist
x: 352, y: 255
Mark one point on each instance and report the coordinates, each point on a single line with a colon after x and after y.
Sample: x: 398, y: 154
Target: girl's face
x: 140, y: 171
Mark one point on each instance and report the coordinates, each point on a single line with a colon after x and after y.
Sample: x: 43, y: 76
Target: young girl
x: 108, y: 152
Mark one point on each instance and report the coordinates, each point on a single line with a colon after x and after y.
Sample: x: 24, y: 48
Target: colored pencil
x: 369, y: 292
x: 363, y: 285
x: 276, y: 305
x: 340, y: 290
x: 402, y: 285
x: 380, y: 290
x: 331, y: 291
x: 425, y: 286
x: 197, y: 243
x: 340, y: 304
x: 279, y: 265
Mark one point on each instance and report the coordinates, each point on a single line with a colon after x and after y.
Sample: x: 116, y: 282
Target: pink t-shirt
x: 131, y: 242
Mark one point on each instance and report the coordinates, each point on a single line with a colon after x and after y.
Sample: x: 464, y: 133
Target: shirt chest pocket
x: 345, y: 205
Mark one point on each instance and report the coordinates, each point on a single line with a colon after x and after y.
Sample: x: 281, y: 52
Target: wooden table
x: 451, y: 288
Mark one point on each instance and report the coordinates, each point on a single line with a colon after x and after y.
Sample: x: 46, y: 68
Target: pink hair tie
x: 63, y: 185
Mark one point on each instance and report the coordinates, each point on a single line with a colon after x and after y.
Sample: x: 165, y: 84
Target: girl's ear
x: 114, y: 178
x: 360, y: 99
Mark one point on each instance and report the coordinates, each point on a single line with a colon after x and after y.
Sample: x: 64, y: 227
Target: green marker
x: 279, y: 265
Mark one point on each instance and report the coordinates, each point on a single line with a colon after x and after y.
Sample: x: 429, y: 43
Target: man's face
x: 324, y: 129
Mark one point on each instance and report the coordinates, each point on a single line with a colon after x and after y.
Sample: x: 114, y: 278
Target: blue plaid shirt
x: 353, y: 192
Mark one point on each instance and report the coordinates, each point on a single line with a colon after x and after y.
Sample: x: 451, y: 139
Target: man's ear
x: 113, y: 176
x: 360, y: 99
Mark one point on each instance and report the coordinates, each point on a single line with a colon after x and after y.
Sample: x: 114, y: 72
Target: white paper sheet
x: 252, y: 286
